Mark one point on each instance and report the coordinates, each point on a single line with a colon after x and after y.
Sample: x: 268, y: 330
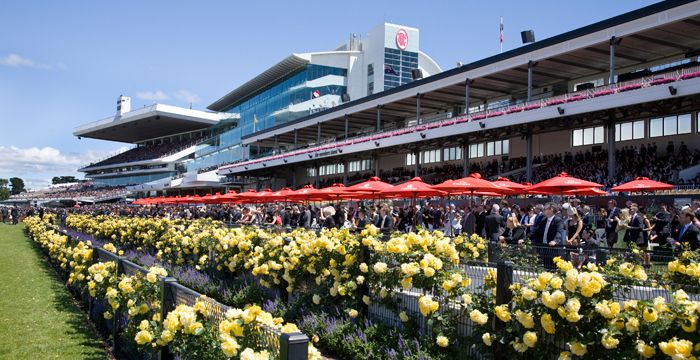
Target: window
x: 370, y: 79
x: 331, y: 169
x: 430, y: 156
x: 670, y: 125
x: 476, y: 150
x: 495, y: 148
x: 410, y: 159
x: 588, y: 136
x: 697, y: 122
x: 629, y: 131
x: 359, y: 165
x: 310, y: 172
x: 450, y: 154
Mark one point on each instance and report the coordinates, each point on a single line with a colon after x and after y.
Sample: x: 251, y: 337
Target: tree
x: 63, y: 179
x: 17, y: 185
x: 4, y: 191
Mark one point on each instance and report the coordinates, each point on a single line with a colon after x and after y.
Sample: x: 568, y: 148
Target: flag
x: 316, y: 93
x: 501, y: 34
x: 389, y: 70
x: 501, y: 29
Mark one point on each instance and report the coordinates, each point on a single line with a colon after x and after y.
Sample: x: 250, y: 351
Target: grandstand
x: 593, y: 101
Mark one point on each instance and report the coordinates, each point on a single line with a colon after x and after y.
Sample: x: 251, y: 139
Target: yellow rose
x: 530, y: 338
x: 486, y: 338
x: 143, y: 337
x: 380, y: 268
x: 577, y: 348
x: 478, y: 317
x: 609, y: 342
x: 645, y: 350
x: 502, y: 313
x: 525, y: 319
x: 442, y: 341
x: 547, y: 323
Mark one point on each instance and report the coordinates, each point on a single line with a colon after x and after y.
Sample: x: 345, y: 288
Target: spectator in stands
x: 687, y: 234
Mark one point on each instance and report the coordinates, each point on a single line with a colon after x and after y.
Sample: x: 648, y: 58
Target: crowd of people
x: 631, y: 162
x: 148, y: 152
x: 571, y: 224
x: 81, y: 191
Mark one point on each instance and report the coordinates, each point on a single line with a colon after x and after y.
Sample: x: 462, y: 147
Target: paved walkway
x: 38, y: 317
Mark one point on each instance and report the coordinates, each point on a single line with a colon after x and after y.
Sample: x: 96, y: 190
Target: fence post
x: 504, y: 278
x: 119, y: 260
x: 294, y: 346
x: 167, y: 304
x: 601, y: 256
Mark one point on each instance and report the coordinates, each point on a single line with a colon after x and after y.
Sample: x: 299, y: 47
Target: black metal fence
x: 283, y: 346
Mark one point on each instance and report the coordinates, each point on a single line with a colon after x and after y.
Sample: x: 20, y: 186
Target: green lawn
x: 38, y: 317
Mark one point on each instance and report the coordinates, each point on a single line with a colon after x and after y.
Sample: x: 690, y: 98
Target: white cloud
x: 186, y: 96
x: 38, y: 165
x: 158, y: 95
x: 15, y: 60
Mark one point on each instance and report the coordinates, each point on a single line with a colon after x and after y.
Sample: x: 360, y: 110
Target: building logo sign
x: 402, y: 39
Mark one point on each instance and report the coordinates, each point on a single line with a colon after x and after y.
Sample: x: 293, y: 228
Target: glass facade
x: 131, y: 180
x: 397, y: 67
x: 267, y: 108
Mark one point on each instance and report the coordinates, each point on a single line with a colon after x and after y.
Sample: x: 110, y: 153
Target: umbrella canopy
x: 560, y: 184
x: 280, y: 195
x: 211, y: 199
x: 414, y: 188
x: 513, y: 186
x: 247, y: 196
x: 334, y: 192
x: 586, y: 191
x: 262, y: 196
x: 228, y: 197
x: 469, y: 184
x: 372, y: 185
x: 642, y: 184
x: 304, y: 193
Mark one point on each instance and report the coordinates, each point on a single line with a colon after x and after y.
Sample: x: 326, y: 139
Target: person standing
x: 15, y: 215
x: 687, y: 235
x: 493, y: 224
x: 612, y: 222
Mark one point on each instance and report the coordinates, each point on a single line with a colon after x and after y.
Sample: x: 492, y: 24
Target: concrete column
x: 416, y: 163
x: 376, y: 165
x: 379, y: 118
x: 345, y: 173
x: 318, y: 133
x: 612, y: 159
x: 295, y: 138
x: 294, y: 178
x: 317, y: 177
x: 529, y: 80
x: 346, y: 126
x: 466, y: 95
x: 465, y: 159
x: 528, y: 168
x: 418, y: 120
x: 613, y: 42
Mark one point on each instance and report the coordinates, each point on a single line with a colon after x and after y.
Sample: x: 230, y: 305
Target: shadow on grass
x: 77, y: 319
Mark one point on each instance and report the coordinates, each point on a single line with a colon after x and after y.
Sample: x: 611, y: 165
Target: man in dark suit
x: 687, y: 233
x: 469, y: 221
x: 305, y: 218
x: 480, y: 219
x: 635, y: 227
x: 493, y: 224
x: 539, y: 211
x: 549, y: 236
x: 588, y: 218
x: 611, y: 222
x: 386, y: 222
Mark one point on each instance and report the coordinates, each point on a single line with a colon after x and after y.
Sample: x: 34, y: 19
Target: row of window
x: 489, y: 148
x: 638, y: 129
x: 339, y: 168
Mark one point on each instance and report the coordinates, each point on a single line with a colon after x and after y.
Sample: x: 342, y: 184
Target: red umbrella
x: 333, y: 192
x: 642, y: 184
x: 586, y: 191
x: 513, y: 186
x: 246, y: 196
x: 369, y: 188
x: 280, y: 195
x: 414, y: 188
x: 262, y: 196
x: 561, y: 183
x: 304, y: 193
x: 472, y: 184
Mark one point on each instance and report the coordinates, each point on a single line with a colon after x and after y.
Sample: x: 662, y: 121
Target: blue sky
x: 64, y: 63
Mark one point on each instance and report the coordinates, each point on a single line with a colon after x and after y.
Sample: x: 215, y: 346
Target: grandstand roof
x: 283, y: 68
x: 150, y: 122
x: 653, y: 34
